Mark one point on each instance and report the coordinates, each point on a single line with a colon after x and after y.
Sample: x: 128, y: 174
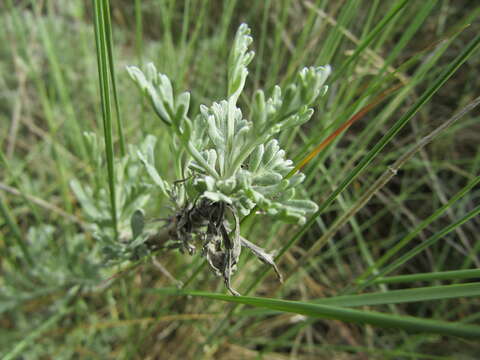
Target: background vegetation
x: 394, y: 277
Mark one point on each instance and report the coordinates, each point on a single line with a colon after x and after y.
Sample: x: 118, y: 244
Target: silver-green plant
x: 132, y: 195
x: 226, y: 164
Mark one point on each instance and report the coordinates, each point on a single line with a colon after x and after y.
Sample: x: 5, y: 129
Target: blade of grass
x: 12, y: 223
x: 111, y: 71
x: 428, y: 293
x: 321, y: 311
x: 280, y: 11
x: 259, y: 56
x: 440, y: 275
x: 333, y: 41
x: 101, y: 35
x: 405, y: 295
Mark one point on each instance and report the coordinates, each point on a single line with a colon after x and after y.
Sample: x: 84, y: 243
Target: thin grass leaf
x: 431, y: 276
x: 408, y: 323
x: 111, y: 71
x: 101, y: 36
x: 402, y: 296
x: 405, y: 295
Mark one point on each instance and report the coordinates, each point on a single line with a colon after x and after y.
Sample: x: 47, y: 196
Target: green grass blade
x: 111, y: 71
x: 440, y: 275
x: 407, y: 323
x: 101, y: 36
x: 402, y: 296
x: 405, y: 295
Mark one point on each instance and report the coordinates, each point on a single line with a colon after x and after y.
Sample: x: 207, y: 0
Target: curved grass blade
x: 402, y: 296
x: 138, y: 31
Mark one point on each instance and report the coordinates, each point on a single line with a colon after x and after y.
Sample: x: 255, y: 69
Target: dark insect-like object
x: 204, y: 223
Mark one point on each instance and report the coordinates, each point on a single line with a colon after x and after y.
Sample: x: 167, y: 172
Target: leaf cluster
x: 229, y: 158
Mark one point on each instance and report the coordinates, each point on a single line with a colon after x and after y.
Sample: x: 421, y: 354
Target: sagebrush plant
x: 227, y: 164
